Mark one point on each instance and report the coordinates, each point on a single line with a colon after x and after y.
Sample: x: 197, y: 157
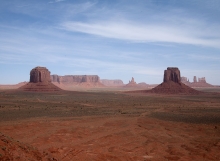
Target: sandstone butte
x: 131, y: 83
x: 39, y: 81
x: 172, y: 83
x: 201, y: 82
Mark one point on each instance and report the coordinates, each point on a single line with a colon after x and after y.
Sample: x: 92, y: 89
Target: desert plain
x: 113, y: 125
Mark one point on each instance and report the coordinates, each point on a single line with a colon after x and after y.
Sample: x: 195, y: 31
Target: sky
x: 116, y: 39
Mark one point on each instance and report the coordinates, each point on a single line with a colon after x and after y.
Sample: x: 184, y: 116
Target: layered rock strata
x: 174, y: 88
x: 69, y: 81
x: 172, y: 74
x: 172, y: 84
x: 116, y: 82
x: 39, y: 81
x: 39, y: 74
x: 131, y: 83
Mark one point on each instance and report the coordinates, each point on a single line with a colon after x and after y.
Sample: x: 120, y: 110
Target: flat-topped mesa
x: 116, y: 82
x: 55, y: 78
x: 184, y: 80
x: 202, y: 80
x: 172, y: 74
x: 40, y: 74
x: 69, y: 79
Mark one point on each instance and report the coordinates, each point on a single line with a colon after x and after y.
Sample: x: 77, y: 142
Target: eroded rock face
x: 54, y: 78
x: 172, y: 74
x: 132, y: 81
x: 40, y: 81
x: 184, y: 79
x: 202, y: 80
x: 194, y: 79
x: 40, y: 74
x: 108, y: 82
x: 172, y: 84
x: 68, y: 79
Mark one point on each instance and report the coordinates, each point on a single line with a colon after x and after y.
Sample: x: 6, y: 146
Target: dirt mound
x: 40, y: 86
x: 171, y: 87
x: 14, y: 150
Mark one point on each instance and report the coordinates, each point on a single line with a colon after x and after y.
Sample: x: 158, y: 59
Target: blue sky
x: 116, y: 39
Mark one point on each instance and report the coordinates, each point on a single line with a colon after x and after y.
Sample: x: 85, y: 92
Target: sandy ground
x: 87, y: 126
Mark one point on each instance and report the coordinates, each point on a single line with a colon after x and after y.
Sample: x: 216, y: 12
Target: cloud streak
x: 143, y: 33
x: 56, y: 1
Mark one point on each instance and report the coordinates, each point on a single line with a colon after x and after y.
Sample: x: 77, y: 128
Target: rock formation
x: 202, y: 80
x: 143, y: 85
x: 184, y: 79
x: 194, y: 79
x: 40, y: 74
x: 200, y: 83
x: 69, y: 81
x: 39, y: 81
x: 116, y: 82
x: 172, y: 74
x: 131, y: 83
x: 172, y: 84
x: 55, y: 78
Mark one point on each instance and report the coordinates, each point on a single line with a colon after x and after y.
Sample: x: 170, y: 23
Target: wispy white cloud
x: 56, y: 1
x: 143, y: 33
x: 203, y: 57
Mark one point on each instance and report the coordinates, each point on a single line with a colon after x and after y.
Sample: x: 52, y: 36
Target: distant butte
x: 39, y: 81
x: 172, y: 83
x: 131, y: 83
x: 200, y: 83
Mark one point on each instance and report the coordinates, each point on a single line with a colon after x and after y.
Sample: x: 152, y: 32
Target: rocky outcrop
x: 68, y: 82
x: 39, y: 81
x: 172, y: 74
x: 55, y: 78
x: 40, y: 74
x: 68, y: 79
x: 131, y: 83
x: 116, y: 82
x: 143, y: 84
x: 184, y: 79
x: 194, y: 79
x: 172, y: 84
x: 200, y: 83
x: 202, y: 80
